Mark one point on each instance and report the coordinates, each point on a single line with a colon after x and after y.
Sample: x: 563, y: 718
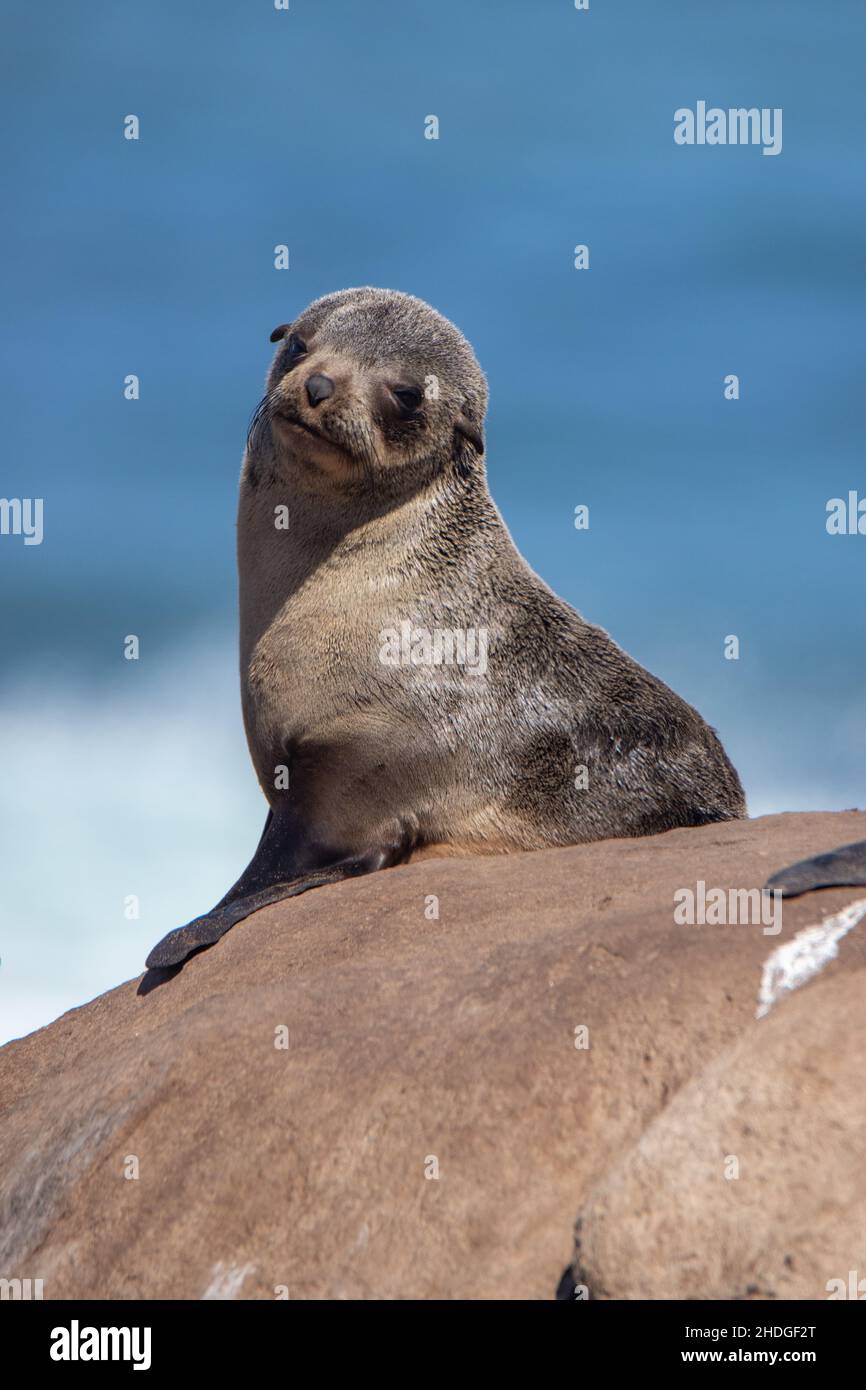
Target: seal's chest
x: 319, y: 660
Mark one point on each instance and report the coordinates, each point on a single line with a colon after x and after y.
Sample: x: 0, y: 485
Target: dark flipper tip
x: 174, y: 948
x: 840, y: 868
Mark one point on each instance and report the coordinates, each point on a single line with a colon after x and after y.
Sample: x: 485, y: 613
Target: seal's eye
x: 295, y: 347
x: 408, y: 399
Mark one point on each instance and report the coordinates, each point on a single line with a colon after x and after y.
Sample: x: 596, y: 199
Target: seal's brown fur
x: 370, y: 436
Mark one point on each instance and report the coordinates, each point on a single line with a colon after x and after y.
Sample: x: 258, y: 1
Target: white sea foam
x: 142, y: 786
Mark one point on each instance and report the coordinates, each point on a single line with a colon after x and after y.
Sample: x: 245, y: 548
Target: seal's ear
x: 469, y: 430
x: 280, y: 333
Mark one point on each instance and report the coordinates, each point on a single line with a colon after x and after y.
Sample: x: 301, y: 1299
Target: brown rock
x: 750, y: 1183
x: 409, y: 1039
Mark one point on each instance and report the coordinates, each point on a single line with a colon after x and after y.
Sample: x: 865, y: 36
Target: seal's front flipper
x: 206, y: 930
x: 840, y: 868
x: 283, y: 865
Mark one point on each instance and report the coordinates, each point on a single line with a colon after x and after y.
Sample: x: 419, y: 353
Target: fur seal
x: 408, y: 682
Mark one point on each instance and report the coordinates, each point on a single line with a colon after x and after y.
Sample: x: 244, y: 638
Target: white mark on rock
x: 226, y: 1282
x: 805, y: 955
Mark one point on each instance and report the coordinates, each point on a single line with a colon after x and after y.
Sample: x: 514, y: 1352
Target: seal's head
x: 371, y: 387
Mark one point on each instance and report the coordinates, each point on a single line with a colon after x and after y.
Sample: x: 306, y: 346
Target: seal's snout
x: 319, y: 388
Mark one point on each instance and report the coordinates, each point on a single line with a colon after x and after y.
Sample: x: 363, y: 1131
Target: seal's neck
x: 392, y: 519
x: 290, y: 539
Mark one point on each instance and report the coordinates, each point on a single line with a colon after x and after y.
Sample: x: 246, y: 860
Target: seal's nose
x: 319, y: 388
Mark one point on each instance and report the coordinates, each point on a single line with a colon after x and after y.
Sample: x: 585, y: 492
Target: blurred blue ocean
x: 155, y: 257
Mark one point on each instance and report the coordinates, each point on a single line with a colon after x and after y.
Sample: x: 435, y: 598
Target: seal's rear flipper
x: 840, y: 868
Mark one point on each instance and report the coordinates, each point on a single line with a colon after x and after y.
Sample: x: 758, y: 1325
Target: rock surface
x: 419, y: 1045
